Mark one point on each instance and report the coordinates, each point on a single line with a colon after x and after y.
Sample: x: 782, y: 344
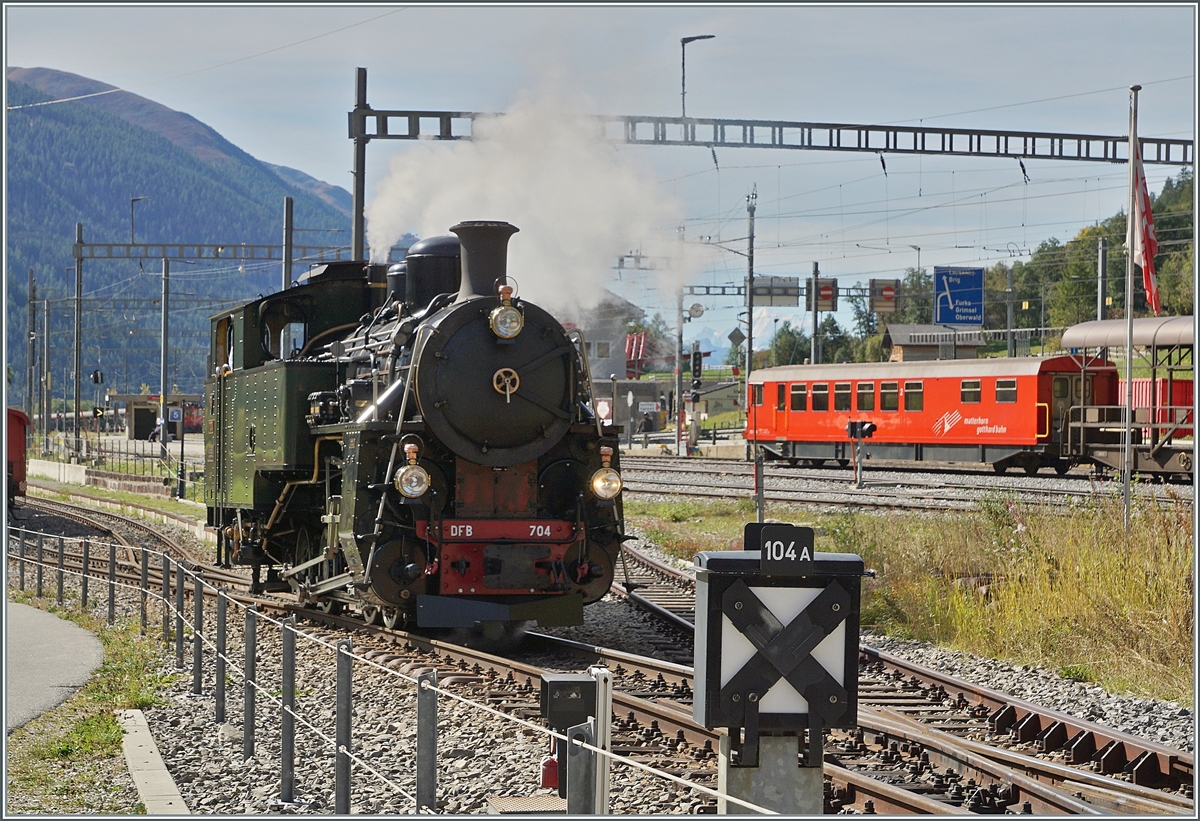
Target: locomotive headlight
x: 506, y: 321
x: 412, y: 481
x: 606, y: 484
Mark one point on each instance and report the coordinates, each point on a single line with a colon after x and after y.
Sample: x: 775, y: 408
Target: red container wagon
x: 16, y: 427
x: 1172, y: 401
x: 1005, y: 412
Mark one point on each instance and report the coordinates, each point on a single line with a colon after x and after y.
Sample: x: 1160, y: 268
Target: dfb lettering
x: 461, y: 530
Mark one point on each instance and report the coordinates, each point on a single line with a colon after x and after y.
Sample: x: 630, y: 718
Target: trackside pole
x: 83, y: 580
x: 248, y: 677
x: 179, y: 585
x: 144, y: 584
x: 287, y: 764
x: 197, y: 633
x: 112, y: 582
x: 581, y: 769
x: 166, y: 597
x: 59, y: 572
x: 220, y: 661
x: 345, y: 704
x: 427, y: 709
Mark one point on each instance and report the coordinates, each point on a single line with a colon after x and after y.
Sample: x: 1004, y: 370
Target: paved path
x: 46, y: 660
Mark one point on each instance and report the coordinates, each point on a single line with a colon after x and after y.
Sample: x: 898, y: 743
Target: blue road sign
x: 957, y: 296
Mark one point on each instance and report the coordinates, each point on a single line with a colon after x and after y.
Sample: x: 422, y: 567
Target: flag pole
x: 1134, y: 156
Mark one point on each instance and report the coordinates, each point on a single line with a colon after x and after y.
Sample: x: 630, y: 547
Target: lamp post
x: 683, y: 41
x: 133, y: 200
x: 917, y: 248
x: 775, y: 342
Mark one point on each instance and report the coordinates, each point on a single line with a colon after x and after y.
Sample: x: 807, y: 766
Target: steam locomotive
x: 416, y: 442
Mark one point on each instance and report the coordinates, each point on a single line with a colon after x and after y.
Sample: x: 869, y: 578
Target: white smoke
x: 544, y: 167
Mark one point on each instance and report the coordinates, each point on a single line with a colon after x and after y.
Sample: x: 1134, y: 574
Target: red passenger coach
x: 16, y: 427
x: 1005, y: 411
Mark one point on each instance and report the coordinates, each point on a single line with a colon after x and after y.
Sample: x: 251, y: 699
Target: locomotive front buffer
x: 776, y: 655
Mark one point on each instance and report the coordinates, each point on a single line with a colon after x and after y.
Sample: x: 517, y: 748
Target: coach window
x: 799, y: 397
x: 781, y: 397
x: 914, y: 396
x: 820, y: 397
x: 758, y: 394
x: 841, y: 396
x: 889, y: 396
x: 971, y: 391
x: 866, y: 396
x: 1006, y: 390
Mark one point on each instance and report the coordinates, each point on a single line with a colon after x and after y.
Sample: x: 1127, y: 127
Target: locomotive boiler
x: 416, y: 442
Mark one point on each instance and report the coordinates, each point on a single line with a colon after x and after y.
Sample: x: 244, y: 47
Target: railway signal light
x: 695, y: 397
x: 860, y: 430
x: 697, y: 365
x: 97, y: 377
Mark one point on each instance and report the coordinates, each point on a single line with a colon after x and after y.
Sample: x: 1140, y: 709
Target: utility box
x: 568, y: 699
x: 777, y: 634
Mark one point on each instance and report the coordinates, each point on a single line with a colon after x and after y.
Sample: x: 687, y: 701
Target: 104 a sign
x: 784, y: 549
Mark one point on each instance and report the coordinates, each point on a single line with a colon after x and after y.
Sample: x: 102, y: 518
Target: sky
x: 278, y: 81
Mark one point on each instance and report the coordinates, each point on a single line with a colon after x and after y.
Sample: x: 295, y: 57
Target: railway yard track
x: 926, y: 743
x: 883, y: 488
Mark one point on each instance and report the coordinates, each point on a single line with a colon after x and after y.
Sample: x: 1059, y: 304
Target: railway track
x: 881, y: 489
x: 1111, y: 769
x: 926, y: 743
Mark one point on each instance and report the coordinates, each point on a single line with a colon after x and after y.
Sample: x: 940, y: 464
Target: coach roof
x: 931, y: 369
x: 1156, y: 331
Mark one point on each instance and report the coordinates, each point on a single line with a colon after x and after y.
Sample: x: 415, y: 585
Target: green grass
x: 161, y: 503
x: 80, y: 741
x: 1031, y: 585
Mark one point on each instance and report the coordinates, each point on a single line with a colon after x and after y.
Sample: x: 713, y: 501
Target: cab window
x: 914, y: 396
x: 820, y: 397
x: 841, y: 396
x: 889, y: 396
x: 866, y: 396
x: 758, y: 394
x: 799, y: 397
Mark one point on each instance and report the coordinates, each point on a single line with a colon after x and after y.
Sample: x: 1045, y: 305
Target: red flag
x: 1139, y: 238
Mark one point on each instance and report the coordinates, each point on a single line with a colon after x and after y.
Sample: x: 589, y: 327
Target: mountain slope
x: 179, y: 128
x: 73, y: 162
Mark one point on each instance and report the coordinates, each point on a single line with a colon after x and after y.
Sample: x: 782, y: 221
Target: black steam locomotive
x: 416, y: 442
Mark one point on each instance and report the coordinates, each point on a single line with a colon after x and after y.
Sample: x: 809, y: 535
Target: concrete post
x: 248, y: 676
x: 345, y: 707
x: 777, y: 783
x: 581, y: 769
x: 219, y: 667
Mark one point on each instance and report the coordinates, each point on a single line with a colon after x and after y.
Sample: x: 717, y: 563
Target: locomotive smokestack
x: 484, y: 249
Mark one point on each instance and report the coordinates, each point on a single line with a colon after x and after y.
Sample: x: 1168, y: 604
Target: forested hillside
x: 72, y: 162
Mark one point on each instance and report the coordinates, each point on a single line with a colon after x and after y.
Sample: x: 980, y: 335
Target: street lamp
x: 683, y: 41
x: 133, y: 200
x: 774, y: 342
x: 917, y: 248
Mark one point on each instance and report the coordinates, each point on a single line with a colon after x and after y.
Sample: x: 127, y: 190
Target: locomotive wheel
x: 391, y: 617
x: 1061, y: 467
x: 1031, y: 467
x: 305, y: 550
x: 370, y: 614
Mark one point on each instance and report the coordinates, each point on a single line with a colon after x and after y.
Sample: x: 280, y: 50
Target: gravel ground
x: 479, y: 755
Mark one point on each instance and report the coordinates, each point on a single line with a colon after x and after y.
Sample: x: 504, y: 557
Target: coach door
x: 1069, y: 390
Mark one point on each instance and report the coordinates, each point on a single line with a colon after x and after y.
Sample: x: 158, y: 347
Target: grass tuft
x: 1025, y: 583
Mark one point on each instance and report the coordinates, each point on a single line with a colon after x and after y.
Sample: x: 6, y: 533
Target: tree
x: 914, y: 304
x: 866, y: 322
x: 790, y: 346
x: 836, y: 344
